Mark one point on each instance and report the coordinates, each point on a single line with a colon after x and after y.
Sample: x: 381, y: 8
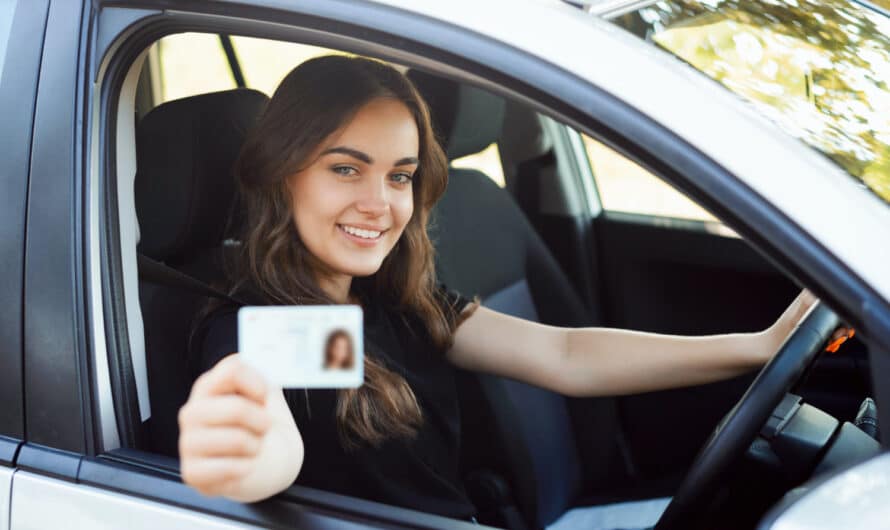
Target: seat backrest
x: 185, y: 193
x: 485, y: 245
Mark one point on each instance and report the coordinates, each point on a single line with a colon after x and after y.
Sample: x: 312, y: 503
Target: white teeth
x: 366, y: 234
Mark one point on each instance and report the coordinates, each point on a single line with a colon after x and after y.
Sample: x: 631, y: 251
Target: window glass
x: 191, y: 64
x: 626, y: 187
x: 819, y: 69
x: 195, y: 63
x: 264, y: 62
x: 487, y: 161
x: 7, y: 8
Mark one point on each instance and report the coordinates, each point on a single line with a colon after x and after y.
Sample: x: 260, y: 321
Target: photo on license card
x: 304, y: 346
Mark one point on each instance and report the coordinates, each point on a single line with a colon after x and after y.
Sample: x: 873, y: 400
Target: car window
x: 188, y: 64
x: 820, y: 69
x: 487, y: 161
x: 265, y: 62
x: 7, y: 8
x: 626, y: 187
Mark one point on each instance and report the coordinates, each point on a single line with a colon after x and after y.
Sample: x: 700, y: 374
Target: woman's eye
x: 402, y: 178
x: 344, y: 170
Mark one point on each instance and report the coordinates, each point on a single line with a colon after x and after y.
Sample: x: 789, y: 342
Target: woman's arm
x: 237, y: 436
x: 604, y: 361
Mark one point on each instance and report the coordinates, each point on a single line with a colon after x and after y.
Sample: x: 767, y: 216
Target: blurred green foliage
x: 819, y: 68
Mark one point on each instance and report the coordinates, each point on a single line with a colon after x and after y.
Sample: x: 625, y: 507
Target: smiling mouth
x: 363, y: 233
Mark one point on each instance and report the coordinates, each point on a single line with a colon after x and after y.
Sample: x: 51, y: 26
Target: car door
x: 82, y: 390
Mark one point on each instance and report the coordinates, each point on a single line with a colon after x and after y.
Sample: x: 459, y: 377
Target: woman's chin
x: 362, y: 270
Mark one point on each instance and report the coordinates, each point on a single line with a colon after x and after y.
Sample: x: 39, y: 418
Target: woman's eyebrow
x: 354, y: 153
x: 407, y: 161
x: 364, y: 157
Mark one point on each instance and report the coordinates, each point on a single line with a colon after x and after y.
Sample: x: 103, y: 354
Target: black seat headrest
x: 185, y: 188
x: 467, y: 119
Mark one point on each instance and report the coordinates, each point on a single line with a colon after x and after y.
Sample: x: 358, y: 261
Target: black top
x: 421, y: 474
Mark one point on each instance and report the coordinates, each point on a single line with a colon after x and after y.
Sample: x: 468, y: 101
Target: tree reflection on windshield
x: 819, y: 68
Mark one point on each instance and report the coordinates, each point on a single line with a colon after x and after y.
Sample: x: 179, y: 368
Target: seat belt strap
x: 156, y: 272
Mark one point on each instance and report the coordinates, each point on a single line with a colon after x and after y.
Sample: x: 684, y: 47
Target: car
x: 606, y: 171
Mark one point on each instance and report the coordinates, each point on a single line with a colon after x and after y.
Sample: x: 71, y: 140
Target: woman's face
x: 339, y: 353
x: 353, y: 201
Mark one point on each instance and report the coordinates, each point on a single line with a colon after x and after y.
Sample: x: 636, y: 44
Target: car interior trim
x: 129, y: 225
x: 555, y: 199
x: 102, y: 376
x: 584, y: 170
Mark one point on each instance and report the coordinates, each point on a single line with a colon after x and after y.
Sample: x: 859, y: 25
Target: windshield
x: 820, y: 69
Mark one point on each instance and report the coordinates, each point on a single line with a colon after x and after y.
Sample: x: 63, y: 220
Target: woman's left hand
x: 778, y: 332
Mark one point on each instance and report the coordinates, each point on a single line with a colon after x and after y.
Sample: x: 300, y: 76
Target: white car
x: 677, y: 166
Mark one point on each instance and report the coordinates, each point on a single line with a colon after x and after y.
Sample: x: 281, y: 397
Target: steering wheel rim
x: 738, y: 429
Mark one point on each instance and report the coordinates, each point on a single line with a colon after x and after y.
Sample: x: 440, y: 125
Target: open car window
x: 192, y: 63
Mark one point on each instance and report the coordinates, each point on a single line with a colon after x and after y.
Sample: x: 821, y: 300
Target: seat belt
x: 156, y: 272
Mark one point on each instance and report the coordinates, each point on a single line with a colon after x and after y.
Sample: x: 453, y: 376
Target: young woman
x: 337, y: 179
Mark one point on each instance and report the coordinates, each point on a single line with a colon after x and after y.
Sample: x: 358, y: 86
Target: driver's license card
x: 304, y: 346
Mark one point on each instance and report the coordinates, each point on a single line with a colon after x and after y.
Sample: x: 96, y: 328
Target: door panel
x: 656, y: 261
x: 675, y: 277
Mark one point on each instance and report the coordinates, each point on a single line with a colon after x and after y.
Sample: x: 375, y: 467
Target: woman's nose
x: 374, y: 199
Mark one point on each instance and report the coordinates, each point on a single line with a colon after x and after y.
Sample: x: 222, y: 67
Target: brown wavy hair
x: 314, y: 100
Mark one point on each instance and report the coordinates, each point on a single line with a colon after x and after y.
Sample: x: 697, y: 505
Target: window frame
x: 409, y: 38
x: 58, y: 410
x: 23, y: 55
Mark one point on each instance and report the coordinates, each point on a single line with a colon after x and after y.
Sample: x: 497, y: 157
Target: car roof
x: 803, y: 184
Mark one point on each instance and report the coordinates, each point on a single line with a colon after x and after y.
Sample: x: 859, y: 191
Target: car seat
x: 185, y: 192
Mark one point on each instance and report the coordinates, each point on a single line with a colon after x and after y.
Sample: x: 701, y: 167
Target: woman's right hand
x: 237, y: 437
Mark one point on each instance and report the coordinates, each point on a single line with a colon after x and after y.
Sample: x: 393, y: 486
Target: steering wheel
x: 738, y: 429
